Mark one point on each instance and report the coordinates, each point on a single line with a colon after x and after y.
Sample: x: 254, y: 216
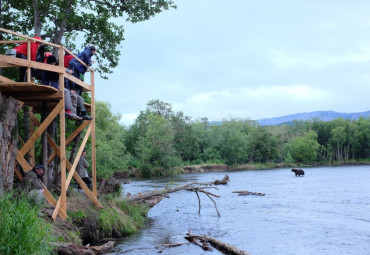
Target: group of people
x: 32, y: 183
x: 74, y: 102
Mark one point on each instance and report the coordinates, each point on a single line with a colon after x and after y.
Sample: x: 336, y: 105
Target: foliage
x: 111, y: 155
x: 22, y: 232
x: 160, y: 139
x: 303, y: 149
x: 99, y: 23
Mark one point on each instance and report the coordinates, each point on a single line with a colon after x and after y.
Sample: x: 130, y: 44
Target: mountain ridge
x: 322, y: 115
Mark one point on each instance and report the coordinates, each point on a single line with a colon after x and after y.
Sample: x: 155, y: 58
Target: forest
x: 161, y: 139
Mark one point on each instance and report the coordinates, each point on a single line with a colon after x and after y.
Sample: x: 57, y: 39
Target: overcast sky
x: 245, y: 59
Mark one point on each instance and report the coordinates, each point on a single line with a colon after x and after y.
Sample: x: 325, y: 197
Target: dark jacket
x: 31, y: 181
x: 85, y: 56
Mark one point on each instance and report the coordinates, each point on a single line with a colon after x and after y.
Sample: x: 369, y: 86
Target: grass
x: 122, y: 218
x: 22, y: 231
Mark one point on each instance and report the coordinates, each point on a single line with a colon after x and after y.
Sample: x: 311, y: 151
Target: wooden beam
x: 63, y: 159
x: 51, y: 200
x: 93, y: 142
x: 71, y: 137
x: 78, y: 178
x: 40, y: 97
x: 31, y: 64
x: 24, y: 164
x: 4, y: 79
x: 86, y: 86
x: 42, y: 128
x: 28, y: 37
x: 12, y: 42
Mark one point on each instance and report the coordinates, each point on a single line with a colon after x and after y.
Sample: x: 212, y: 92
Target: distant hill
x: 322, y: 115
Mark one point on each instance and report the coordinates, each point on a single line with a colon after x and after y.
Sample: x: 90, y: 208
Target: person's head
x: 70, y: 50
x: 93, y: 49
x: 37, y: 43
x: 40, y: 170
x: 84, y: 153
x: 51, y: 60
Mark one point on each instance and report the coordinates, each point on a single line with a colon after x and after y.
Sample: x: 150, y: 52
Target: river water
x: 325, y: 212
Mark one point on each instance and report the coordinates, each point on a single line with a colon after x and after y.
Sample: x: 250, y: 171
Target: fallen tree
x: 205, y: 241
x: 70, y: 248
x: 155, y: 196
x: 245, y: 193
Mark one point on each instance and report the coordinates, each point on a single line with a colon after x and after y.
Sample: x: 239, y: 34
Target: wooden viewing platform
x: 43, y: 98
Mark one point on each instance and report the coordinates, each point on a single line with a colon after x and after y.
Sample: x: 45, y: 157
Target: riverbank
x: 203, y: 168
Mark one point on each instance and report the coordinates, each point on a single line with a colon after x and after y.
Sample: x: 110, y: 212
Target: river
x: 325, y: 212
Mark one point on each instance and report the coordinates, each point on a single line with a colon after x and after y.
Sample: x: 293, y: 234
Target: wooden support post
x: 28, y: 58
x: 32, y: 154
x: 62, y: 117
x: 93, y: 142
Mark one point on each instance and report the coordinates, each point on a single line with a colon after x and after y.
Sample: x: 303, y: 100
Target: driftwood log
x: 224, y: 181
x: 245, y: 193
x: 205, y: 241
x: 70, y: 248
x: 162, y: 247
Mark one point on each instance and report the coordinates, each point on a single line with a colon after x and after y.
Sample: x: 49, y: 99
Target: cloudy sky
x: 245, y: 59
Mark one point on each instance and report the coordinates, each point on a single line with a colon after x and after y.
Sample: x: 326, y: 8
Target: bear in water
x: 298, y: 172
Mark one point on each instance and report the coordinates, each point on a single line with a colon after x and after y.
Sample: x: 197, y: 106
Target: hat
x: 39, y: 167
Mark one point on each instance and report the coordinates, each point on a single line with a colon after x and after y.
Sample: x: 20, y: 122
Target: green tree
x: 65, y: 22
x: 304, y: 149
x: 111, y: 154
x: 156, y: 148
x: 262, y: 146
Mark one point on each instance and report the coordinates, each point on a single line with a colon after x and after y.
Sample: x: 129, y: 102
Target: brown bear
x: 298, y: 172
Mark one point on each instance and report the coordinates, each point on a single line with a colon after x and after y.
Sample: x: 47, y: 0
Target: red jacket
x: 23, y: 49
x: 67, y: 59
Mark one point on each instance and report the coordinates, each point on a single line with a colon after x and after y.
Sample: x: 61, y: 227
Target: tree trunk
x: 37, y: 25
x: 9, y: 108
x: 27, y: 131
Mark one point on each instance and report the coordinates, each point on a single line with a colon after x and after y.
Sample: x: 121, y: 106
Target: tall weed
x: 21, y: 231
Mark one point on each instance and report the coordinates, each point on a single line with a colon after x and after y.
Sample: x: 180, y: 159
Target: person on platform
x: 78, y: 68
x: 22, y: 53
x: 52, y: 79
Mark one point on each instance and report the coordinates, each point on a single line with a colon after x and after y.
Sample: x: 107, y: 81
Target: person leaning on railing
x: 22, y: 53
x: 52, y: 79
x: 78, y: 68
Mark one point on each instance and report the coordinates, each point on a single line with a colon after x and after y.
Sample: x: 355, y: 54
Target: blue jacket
x: 85, y: 56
